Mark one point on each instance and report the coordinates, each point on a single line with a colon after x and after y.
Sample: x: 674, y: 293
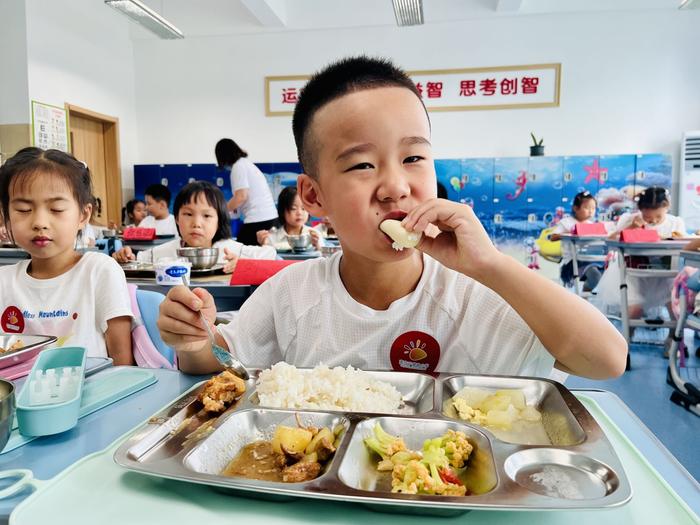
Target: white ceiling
x: 201, y: 18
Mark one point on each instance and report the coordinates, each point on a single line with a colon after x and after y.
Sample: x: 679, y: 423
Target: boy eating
x: 157, y: 205
x: 453, y: 303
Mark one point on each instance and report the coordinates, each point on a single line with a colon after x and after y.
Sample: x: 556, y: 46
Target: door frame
x: 113, y: 177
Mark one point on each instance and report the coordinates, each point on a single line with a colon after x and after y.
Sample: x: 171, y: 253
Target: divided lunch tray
x: 582, y: 470
x: 31, y: 346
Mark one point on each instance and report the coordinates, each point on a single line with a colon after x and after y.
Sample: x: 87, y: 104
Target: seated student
x: 202, y: 222
x: 292, y: 219
x: 363, y: 139
x: 132, y: 215
x: 46, y: 199
x: 157, y: 203
x: 583, y: 211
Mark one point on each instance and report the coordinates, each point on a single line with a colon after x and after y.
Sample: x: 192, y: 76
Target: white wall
x: 13, y: 63
x: 81, y: 52
x: 630, y: 83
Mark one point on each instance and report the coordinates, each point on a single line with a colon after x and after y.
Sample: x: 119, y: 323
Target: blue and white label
x: 176, y: 271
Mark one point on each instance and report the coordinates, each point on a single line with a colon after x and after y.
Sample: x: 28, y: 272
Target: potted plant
x: 537, y: 149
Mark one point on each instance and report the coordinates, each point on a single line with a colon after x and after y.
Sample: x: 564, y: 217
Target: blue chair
x: 149, y: 304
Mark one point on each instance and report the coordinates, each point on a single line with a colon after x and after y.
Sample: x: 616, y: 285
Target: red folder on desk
x: 584, y: 229
x: 139, y: 234
x: 639, y: 235
x: 256, y: 271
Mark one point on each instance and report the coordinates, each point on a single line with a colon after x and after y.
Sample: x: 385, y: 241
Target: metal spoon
x: 222, y: 356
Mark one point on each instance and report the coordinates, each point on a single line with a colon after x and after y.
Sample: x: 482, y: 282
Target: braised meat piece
x: 301, y: 471
x: 220, y: 391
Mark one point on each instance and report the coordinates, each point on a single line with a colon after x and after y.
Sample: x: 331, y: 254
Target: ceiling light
x: 147, y: 17
x: 408, y: 12
x: 689, y: 4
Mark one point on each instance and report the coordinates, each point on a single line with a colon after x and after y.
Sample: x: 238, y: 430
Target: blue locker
x: 144, y: 176
x: 510, y: 227
x: 615, y: 193
x: 175, y: 176
x: 653, y: 169
x: 476, y: 189
x: 205, y: 172
x: 449, y: 173
x: 544, y: 191
x: 580, y: 173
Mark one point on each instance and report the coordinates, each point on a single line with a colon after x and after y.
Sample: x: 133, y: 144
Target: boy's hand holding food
x: 462, y: 244
x: 179, y: 322
x: 124, y: 255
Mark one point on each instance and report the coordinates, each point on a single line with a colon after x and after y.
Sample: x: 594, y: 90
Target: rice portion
x: 324, y: 388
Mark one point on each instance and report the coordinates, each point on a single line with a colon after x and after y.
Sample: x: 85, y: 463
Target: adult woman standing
x: 251, y: 194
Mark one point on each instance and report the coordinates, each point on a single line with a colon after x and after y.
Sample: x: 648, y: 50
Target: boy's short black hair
x: 215, y: 199
x: 653, y: 198
x: 340, y: 78
x: 159, y: 193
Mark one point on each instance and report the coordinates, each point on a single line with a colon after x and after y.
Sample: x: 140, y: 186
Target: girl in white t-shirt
x: 80, y: 298
x: 202, y: 221
x: 583, y: 210
x: 648, y: 292
x: 292, y: 219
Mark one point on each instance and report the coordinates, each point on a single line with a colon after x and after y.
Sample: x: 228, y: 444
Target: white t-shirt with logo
x: 260, y: 206
x: 165, y: 226
x: 74, y: 306
x: 449, y: 323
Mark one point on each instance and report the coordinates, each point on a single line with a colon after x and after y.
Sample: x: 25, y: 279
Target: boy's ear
x: 310, y: 194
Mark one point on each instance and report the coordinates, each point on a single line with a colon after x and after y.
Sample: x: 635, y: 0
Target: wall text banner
x: 507, y: 87
x: 49, y: 127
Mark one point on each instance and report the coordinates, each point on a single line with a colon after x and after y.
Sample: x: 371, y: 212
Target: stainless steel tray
x: 182, y: 442
x: 32, y: 345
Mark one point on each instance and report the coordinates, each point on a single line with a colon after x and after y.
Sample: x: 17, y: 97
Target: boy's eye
x: 56, y: 210
x: 361, y: 166
x: 412, y: 159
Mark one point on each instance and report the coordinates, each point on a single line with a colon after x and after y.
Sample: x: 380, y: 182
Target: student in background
x: 82, y: 298
x: 364, y: 142
x: 134, y: 212
x: 644, y: 292
x: 583, y: 212
x: 292, y: 219
x: 251, y: 194
x: 202, y: 222
x: 157, y: 204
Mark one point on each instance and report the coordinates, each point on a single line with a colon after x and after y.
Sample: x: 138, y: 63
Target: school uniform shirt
x: 74, y: 306
x: 670, y: 224
x: 169, y: 249
x: 450, y: 323
x: 165, y: 226
x: 278, y: 237
x: 259, y: 206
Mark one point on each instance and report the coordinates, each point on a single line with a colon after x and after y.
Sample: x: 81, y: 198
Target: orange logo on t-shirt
x: 415, y: 352
x: 12, y: 320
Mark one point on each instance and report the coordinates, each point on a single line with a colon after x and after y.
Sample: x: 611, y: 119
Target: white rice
x: 323, y: 388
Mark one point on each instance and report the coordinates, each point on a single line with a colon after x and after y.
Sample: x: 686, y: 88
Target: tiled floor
x: 645, y: 391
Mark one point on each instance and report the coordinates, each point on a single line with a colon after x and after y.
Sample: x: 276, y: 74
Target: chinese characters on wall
x: 49, y: 126
x: 452, y: 89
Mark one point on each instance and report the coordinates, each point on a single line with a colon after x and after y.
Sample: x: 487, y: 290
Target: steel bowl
x: 201, y: 258
x: 327, y: 251
x: 299, y: 242
x: 7, y: 410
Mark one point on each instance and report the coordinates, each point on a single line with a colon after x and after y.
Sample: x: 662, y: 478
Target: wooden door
x: 94, y: 140
x: 87, y: 139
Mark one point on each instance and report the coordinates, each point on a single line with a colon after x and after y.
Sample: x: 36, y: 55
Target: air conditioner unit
x: 689, y: 187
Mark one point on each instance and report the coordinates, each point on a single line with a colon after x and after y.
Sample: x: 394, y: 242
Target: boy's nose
x: 393, y: 186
